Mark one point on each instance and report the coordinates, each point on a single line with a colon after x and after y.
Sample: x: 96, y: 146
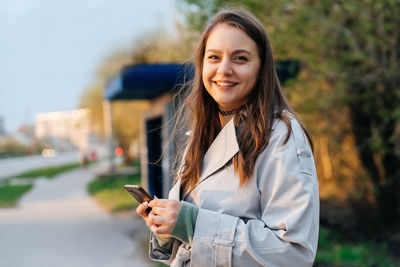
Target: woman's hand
x: 164, y: 212
x: 141, y: 210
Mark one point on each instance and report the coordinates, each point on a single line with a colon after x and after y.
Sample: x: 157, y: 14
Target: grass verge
x: 336, y: 250
x: 9, y: 194
x: 48, y: 172
x: 13, y: 188
x: 110, y: 193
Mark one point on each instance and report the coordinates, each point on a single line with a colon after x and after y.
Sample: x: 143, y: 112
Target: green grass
x: 48, y: 172
x: 334, y: 248
x: 10, y: 192
x: 110, y: 193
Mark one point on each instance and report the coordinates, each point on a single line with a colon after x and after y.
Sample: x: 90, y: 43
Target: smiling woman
x: 230, y: 67
x: 246, y: 193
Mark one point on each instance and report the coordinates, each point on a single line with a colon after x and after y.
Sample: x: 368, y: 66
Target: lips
x: 225, y: 83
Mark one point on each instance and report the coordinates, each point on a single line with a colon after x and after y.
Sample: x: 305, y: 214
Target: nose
x: 225, y: 67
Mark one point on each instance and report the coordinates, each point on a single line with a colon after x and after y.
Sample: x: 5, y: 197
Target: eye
x: 241, y: 58
x: 213, y: 57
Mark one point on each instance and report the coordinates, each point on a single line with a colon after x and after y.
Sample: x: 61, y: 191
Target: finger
x: 159, y: 202
x: 141, y: 209
x: 155, y: 219
x: 160, y: 210
x: 151, y: 219
x: 165, y: 236
x: 166, y: 203
x: 160, y: 230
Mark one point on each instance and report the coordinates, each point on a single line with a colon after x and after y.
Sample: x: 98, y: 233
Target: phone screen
x: 138, y: 193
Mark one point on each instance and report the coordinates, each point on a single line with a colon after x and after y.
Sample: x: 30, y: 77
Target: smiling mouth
x: 225, y: 84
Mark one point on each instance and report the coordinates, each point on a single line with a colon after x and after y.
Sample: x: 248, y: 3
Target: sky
x: 50, y: 49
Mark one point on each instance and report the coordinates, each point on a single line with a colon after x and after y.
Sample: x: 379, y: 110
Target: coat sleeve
x: 166, y: 252
x: 287, y: 232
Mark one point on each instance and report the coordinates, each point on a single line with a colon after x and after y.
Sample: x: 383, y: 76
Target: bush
x: 337, y: 250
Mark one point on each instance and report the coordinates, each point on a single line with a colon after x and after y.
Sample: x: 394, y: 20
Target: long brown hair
x: 265, y: 103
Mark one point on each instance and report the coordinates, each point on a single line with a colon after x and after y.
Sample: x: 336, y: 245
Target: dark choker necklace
x: 231, y: 112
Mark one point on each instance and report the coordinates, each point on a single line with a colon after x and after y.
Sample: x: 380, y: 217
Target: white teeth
x: 225, y: 84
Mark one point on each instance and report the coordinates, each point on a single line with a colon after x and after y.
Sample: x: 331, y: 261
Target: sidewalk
x: 59, y: 224
x: 13, y: 166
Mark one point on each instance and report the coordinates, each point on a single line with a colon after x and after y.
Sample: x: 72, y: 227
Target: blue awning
x: 148, y: 81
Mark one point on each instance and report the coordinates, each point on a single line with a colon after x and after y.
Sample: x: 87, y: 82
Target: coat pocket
x: 306, y: 161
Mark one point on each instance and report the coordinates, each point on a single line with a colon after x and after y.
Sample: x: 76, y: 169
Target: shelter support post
x: 109, y: 131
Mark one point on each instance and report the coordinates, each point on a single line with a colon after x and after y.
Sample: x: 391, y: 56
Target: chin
x: 224, y: 102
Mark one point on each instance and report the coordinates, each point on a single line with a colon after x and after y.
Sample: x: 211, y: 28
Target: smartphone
x: 138, y: 193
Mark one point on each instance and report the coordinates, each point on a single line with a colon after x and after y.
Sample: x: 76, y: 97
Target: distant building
x: 64, y: 129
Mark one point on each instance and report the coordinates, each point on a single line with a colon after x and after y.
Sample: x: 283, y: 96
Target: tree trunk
x: 382, y: 171
x: 387, y: 203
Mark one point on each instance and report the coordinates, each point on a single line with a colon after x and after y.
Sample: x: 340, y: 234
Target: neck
x: 224, y: 119
x: 226, y: 115
x: 231, y: 111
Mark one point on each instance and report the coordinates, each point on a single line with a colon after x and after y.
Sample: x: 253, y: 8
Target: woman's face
x: 230, y: 66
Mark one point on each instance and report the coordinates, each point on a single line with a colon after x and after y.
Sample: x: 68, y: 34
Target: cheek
x: 206, y: 77
x: 251, y: 76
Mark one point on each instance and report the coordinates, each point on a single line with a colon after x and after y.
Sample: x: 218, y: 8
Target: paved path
x: 57, y: 224
x: 13, y: 166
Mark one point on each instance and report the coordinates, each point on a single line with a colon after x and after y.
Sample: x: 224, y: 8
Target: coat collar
x: 224, y: 147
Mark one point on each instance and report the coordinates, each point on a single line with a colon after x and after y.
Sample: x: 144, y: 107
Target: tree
x: 349, y: 83
x: 155, y: 48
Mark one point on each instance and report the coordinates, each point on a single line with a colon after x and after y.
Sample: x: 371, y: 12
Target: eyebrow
x: 237, y: 51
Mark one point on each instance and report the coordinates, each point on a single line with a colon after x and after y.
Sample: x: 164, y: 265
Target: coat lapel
x: 224, y: 147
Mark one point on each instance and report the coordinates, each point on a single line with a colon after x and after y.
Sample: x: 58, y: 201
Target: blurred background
x: 58, y: 60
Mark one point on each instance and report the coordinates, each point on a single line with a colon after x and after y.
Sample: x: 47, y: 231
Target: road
x: 13, y: 166
x: 58, y: 224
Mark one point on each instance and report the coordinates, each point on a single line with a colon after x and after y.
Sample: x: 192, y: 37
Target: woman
x: 247, y: 192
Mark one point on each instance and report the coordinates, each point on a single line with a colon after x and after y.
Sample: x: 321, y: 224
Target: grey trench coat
x: 273, y: 220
